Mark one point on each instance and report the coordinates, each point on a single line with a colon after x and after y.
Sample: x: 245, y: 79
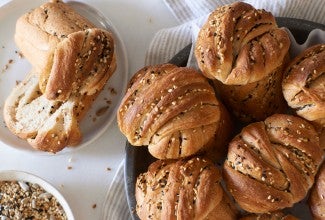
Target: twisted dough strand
x: 272, y: 164
x: 185, y: 189
x: 173, y: 110
x: 304, y: 84
x: 240, y: 44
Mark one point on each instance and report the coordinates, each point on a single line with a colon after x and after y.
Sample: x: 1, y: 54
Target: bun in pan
x: 174, y: 111
x: 184, y: 189
x: 272, y: 164
x: 244, y: 51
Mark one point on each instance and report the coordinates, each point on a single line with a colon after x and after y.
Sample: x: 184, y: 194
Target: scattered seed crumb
x: 5, y: 68
x: 102, y: 111
x: 70, y: 160
x: 20, y: 54
x: 69, y: 167
x: 10, y: 61
x: 94, y: 206
x: 112, y: 90
x: 94, y: 119
x: 108, y: 102
x: 108, y: 169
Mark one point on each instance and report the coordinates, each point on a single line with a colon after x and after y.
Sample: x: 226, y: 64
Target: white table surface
x: 87, y: 182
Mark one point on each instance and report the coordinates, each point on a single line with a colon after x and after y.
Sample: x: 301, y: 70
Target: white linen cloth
x: 167, y: 42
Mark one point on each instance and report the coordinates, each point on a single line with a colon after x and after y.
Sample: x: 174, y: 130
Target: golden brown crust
x: 244, y: 51
x: 239, y: 44
x: 185, y: 189
x: 304, y: 84
x: 171, y: 109
x: 75, y: 57
x: 82, y: 63
x: 45, y: 27
x: 317, y: 195
x: 254, y: 101
x: 275, y: 160
x: 269, y: 216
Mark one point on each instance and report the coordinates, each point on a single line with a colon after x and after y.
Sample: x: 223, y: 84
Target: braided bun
x: 272, y: 164
x: 243, y: 50
x: 186, y: 189
x: 174, y: 111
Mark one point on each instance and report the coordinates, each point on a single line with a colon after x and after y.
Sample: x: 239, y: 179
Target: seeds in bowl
x: 24, y: 200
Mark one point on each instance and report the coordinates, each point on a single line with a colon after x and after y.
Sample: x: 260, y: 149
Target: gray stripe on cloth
x: 312, y: 10
x: 166, y: 43
x: 115, y: 204
x: 187, y: 10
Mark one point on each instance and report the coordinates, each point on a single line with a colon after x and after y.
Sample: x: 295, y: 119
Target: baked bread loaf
x: 81, y: 64
x: 304, y: 84
x: 272, y: 164
x: 317, y: 195
x: 72, y: 61
x: 174, y: 111
x: 185, y: 189
x: 269, y: 216
x: 39, y: 31
x: 71, y: 55
x: 47, y: 125
x: 244, y: 50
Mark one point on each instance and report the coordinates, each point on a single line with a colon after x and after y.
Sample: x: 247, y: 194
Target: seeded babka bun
x: 243, y: 51
x: 185, y: 189
x: 67, y: 51
x: 174, y: 111
x: 39, y: 31
x: 72, y: 61
x: 272, y: 164
x: 304, y: 84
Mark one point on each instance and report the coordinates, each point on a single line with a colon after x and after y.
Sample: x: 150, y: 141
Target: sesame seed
x: 34, y: 203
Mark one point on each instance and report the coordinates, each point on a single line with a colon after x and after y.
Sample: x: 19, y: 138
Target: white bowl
x: 13, y: 175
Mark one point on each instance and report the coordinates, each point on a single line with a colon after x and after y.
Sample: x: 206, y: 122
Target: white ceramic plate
x: 92, y: 125
x: 12, y: 175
